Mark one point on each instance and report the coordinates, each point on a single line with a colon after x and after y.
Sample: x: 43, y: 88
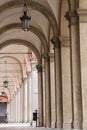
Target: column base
x: 53, y: 124
x: 67, y: 125
x: 40, y: 124
x: 48, y: 125
x: 77, y: 124
x: 84, y: 125
x: 22, y: 121
x: 59, y: 125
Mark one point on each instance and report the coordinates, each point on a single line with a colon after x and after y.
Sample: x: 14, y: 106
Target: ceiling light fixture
x: 25, y: 17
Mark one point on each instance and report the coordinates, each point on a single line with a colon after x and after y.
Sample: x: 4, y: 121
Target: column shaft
x: 25, y: 100
x: 66, y: 83
x: 52, y: 84
x: 40, y: 95
x: 58, y: 84
x: 22, y: 103
x: 47, y: 94
x: 30, y: 99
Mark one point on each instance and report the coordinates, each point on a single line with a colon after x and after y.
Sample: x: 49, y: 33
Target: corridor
x: 43, y: 64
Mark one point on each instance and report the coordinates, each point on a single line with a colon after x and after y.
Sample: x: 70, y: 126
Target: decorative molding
x: 65, y: 41
x: 46, y: 57
x: 56, y: 42
x: 33, y: 66
x: 82, y: 15
x: 39, y: 68
x: 51, y: 57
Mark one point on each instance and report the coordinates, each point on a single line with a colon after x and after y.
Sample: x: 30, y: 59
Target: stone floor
x: 25, y: 127
x: 19, y: 127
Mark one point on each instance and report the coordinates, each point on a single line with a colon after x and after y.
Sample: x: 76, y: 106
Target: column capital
x: 24, y: 79
x: 72, y: 17
x: 51, y: 57
x: 33, y: 66
x: 29, y: 74
x: 39, y: 67
x: 46, y: 57
x: 55, y: 40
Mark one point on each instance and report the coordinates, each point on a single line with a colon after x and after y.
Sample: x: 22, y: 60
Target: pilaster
x: 66, y: 82
x: 73, y: 19
x: 83, y: 53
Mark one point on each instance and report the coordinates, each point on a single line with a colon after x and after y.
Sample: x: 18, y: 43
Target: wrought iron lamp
x: 25, y: 17
x: 5, y: 83
x: 3, y: 93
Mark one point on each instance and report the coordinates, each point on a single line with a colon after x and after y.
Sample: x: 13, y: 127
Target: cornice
x: 65, y: 41
x: 82, y: 15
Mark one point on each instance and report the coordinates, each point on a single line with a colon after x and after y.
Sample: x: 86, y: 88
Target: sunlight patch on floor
x: 15, y: 125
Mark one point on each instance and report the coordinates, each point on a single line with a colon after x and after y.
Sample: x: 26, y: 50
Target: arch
x: 32, y: 4
x: 22, y: 42
x: 8, y: 93
x: 14, y: 59
x: 2, y: 57
x: 32, y: 29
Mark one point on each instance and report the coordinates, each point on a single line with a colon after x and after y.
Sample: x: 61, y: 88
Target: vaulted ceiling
x: 13, y: 40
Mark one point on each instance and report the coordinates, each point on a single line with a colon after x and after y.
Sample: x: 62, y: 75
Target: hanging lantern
x: 5, y: 83
x: 25, y: 18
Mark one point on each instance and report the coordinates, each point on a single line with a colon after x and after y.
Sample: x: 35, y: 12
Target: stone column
x: 22, y: 100
x: 44, y: 91
x: 13, y: 118
x: 34, y: 89
x: 47, y: 94
x: 83, y: 56
x: 66, y: 83
x: 28, y: 95
x: 52, y: 84
x: 8, y: 111
x: 40, y: 94
x: 16, y: 102
x: 29, y: 99
x: 75, y: 68
x: 58, y: 84
x: 14, y: 109
x: 12, y: 113
x: 18, y: 105
x: 25, y: 100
